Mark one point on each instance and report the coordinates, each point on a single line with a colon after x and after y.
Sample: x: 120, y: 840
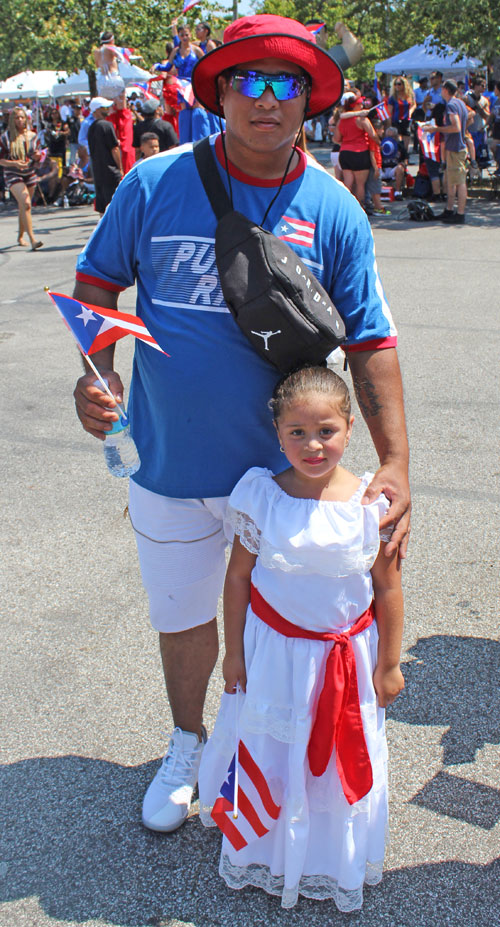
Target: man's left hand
x: 392, y: 480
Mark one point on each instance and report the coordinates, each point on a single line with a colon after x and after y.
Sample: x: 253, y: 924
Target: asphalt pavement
x: 84, y: 712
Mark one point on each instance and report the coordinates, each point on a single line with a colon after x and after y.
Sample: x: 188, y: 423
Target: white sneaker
x: 168, y: 798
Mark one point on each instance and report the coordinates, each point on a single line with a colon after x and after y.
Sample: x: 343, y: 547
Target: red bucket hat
x: 266, y: 36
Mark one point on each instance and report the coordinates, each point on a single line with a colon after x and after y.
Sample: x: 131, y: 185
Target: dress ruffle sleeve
x: 305, y: 535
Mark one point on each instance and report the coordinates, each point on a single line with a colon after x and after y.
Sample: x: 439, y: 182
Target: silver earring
x: 281, y: 449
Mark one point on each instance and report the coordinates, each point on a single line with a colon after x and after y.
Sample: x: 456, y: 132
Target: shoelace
x: 177, y: 765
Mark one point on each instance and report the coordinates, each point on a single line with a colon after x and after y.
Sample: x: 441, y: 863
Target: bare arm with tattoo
x: 377, y: 382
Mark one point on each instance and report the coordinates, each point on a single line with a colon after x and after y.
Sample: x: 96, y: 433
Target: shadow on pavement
x: 72, y: 838
x: 72, y: 835
x: 453, y: 682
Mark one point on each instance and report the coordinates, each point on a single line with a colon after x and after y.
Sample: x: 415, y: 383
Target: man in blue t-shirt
x: 453, y: 131
x: 435, y: 93
x: 199, y: 416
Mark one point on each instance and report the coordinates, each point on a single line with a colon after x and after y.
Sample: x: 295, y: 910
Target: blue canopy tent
x: 422, y: 59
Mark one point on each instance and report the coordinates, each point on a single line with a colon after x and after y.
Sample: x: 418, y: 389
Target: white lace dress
x: 313, y: 568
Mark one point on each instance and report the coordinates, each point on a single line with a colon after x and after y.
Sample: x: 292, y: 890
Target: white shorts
x: 181, y: 545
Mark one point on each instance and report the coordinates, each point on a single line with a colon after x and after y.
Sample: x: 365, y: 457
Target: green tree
x: 387, y: 28
x: 60, y: 34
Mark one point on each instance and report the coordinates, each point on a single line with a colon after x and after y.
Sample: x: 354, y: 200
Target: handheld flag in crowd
x: 188, y: 4
x: 95, y: 327
x: 429, y: 144
x: 126, y: 53
x: 315, y: 28
x: 145, y: 89
x: 383, y: 111
x: 376, y: 89
x: 245, y: 809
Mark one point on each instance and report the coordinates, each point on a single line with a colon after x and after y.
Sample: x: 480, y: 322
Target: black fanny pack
x: 285, y: 313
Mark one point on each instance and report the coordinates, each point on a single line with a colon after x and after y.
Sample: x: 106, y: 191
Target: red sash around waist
x: 338, y: 716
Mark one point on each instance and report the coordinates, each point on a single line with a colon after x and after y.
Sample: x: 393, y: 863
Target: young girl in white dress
x: 308, y: 670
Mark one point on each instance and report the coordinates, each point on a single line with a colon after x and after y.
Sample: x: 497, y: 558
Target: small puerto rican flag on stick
x: 382, y: 111
x: 314, y: 28
x: 188, y: 4
x: 95, y: 327
x: 246, y: 810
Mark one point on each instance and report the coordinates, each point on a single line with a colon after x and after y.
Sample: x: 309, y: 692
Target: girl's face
x: 313, y: 434
x: 20, y: 120
x: 184, y: 35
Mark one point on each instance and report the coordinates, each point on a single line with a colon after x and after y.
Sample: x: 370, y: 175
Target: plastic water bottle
x: 120, y: 451
x: 65, y: 202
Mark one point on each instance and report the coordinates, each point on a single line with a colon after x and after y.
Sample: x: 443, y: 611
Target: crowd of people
x: 370, y: 131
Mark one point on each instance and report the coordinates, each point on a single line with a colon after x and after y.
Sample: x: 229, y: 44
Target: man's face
x: 264, y: 124
x: 435, y: 80
x: 150, y: 147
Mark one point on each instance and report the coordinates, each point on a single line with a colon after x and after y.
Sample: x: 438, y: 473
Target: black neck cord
x: 294, y: 148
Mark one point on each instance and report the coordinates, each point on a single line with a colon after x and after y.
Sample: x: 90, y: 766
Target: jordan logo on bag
x: 315, y: 295
x: 266, y: 336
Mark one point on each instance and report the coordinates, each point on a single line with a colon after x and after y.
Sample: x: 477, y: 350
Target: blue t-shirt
x: 200, y: 417
x: 84, y: 130
x: 420, y: 95
x: 455, y: 141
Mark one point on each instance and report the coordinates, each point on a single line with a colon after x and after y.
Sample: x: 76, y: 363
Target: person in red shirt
x: 352, y: 133
x: 123, y: 124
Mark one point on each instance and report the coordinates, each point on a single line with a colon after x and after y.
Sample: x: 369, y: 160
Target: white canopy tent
x: 30, y: 85
x: 423, y: 59
x: 78, y: 84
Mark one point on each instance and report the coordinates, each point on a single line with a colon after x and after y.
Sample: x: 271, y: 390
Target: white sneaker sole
x: 159, y: 829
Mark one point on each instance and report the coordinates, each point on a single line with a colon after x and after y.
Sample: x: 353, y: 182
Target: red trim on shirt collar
x: 258, y: 181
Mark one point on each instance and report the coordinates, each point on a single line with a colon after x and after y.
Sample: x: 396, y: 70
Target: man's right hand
x: 94, y: 408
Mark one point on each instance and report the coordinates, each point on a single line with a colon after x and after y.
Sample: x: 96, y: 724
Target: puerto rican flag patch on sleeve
x: 297, y: 231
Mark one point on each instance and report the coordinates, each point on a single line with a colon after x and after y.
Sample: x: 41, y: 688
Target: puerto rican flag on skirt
x: 297, y: 231
x: 257, y: 811
x: 185, y: 89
